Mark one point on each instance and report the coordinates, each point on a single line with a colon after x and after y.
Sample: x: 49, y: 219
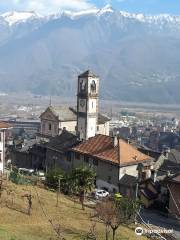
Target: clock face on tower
x: 82, y: 103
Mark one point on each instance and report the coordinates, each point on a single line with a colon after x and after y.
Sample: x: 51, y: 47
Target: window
x: 95, y: 162
x: 50, y: 126
x: 109, y: 179
x: 69, y: 157
x: 93, y: 87
x: 0, y: 137
x: 92, y: 104
x: 86, y: 159
x: 77, y: 156
x: 97, y: 128
x: 0, y: 157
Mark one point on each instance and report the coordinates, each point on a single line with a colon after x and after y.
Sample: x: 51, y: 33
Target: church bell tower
x: 87, y: 105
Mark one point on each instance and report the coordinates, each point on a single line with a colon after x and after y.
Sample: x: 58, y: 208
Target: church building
x: 83, y: 120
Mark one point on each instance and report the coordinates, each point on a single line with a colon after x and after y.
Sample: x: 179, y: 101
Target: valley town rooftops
x: 102, y: 147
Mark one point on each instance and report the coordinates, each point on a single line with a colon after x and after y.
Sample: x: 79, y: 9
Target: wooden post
x: 58, y: 190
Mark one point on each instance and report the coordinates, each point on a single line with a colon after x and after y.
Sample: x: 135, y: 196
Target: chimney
x: 166, y: 152
x: 168, y: 173
x: 154, y: 175
x: 115, y: 141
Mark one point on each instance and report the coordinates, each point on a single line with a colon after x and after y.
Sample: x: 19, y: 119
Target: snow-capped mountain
x: 137, y: 56
x: 18, y: 17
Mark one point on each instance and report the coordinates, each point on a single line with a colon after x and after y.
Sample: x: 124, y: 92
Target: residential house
x: 31, y: 155
x: 111, y: 159
x: 149, y: 192
x: 128, y: 186
x: 3, y: 129
x: 153, y: 191
x: 173, y: 186
x: 58, y: 153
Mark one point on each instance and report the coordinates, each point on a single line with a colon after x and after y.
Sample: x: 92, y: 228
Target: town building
x: 111, y: 159
x: 173, y: 186
x: 58, y: 153
x: 3, y: 129
x: 31, y: 155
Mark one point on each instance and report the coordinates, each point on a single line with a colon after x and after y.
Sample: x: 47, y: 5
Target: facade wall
x: 92, y: 105
x: 82, y: 127
x: 128, y: 191
x: 107, y: 174
x: 91, y: 127
x: 55, y: 159
x: 130, y: 170
x: 49, y: 127
x: 22, y: 159
x: 103, y: 129
x: 34, y: 158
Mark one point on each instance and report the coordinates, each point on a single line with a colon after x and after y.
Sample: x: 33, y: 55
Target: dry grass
x: 15, y: 224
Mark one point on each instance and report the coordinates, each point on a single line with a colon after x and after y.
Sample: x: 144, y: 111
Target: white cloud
x: 45, y: 6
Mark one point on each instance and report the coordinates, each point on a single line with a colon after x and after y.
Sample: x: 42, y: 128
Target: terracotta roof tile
x: 4, y: 125
x: 102, y: 147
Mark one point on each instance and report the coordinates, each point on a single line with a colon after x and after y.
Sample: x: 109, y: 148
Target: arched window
x: 93, y: 86
x: 82, y: 85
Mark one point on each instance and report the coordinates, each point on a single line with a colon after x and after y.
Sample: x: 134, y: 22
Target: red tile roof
x: 4, y: 125
x: 102, y: 147
x: 175, y: 178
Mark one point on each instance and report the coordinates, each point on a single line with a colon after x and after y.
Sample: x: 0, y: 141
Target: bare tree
x: 1, y: 187
x: 115, y: 213
x: 29, y: 201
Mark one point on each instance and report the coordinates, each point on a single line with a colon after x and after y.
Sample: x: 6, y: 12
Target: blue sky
x: 50, y: 6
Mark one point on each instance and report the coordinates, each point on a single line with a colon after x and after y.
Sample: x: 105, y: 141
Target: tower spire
x: 50, y: 101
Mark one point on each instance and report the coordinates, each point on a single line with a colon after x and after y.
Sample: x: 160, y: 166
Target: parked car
x: 41, y: 175
x: 25, y: 171
x: 100, y: 193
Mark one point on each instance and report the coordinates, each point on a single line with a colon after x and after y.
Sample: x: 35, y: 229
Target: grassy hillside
x: 74, y: 223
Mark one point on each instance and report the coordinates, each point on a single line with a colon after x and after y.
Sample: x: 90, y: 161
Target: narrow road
x: 156, y: 219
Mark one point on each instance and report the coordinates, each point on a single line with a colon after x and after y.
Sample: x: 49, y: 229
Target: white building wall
x: 91, y: 127
x: 130, y: 170
x: 69, y: 126
x: 103, y: 129
x: 92, y: 105
x: 2, y: 150
x: 46, y: 130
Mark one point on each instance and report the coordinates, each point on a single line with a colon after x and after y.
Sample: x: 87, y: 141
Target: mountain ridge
x: 136, y: 56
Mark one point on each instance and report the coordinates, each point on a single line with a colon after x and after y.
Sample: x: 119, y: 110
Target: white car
x: 100, y: 193
x: 41, y: 175
x: 25, y: 171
